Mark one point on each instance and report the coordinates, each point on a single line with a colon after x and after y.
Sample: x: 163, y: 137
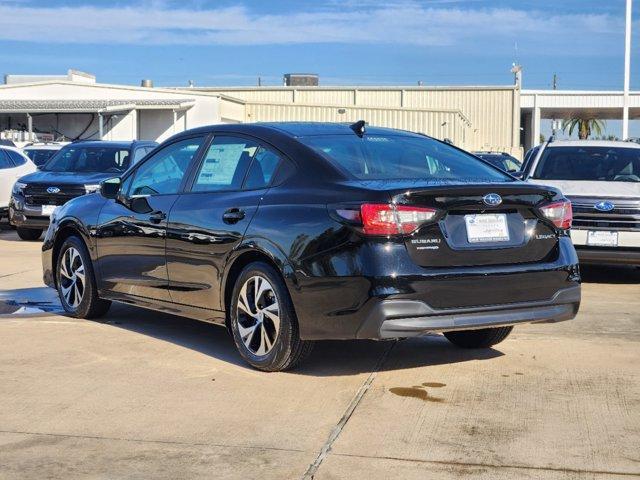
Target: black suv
x: 74, y: 170
x: 295, y: 232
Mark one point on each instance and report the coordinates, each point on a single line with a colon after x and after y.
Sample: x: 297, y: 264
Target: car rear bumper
x: 409, y: 318
x: 598, y: 255
x: 422, y: 300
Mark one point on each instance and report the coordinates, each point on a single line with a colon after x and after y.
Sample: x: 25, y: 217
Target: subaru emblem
x: 604, y: 206
x: 492, y: 199
x: 53, y: 190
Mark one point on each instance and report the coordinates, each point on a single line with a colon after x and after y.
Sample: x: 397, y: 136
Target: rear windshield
x: 381, y: 157
x: 78, y: 158
x: 39, y: 156
x: 606, y: 164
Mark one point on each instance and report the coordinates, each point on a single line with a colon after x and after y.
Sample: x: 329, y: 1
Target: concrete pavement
x: 146, y: 395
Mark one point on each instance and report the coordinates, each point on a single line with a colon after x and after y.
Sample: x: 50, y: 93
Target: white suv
x: 13, y: 165
x: 602, y: 180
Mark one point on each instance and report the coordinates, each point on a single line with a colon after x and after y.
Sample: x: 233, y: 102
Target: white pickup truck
x: 602, y: 180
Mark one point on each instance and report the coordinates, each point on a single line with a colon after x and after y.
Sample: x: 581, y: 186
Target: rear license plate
x: 602, y: 239
x: 486, y: 228
x: 47, y: 210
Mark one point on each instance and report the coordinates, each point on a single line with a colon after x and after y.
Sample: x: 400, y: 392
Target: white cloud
x: 399, y: 22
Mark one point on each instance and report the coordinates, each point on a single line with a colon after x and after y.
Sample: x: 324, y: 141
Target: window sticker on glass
x: 220, y: 163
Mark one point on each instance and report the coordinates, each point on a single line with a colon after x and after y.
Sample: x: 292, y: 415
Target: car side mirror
x: 518, y: 174
x: 110, y: 188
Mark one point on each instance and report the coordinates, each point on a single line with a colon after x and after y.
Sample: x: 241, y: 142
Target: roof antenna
x: 358, y: 127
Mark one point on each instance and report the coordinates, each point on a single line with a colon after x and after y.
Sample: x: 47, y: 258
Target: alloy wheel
x: 258, y: 315
x: 72, y: 277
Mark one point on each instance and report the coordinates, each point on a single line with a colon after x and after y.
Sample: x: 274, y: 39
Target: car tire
x: 76, y: 281
x: 265, y: 329
x: 483, y: 338
x: 29, y: 234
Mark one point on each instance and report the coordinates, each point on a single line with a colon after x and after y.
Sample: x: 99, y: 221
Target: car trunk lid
x: 480, y: 224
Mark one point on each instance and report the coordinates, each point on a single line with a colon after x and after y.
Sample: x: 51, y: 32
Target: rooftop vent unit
x: 301, y: 80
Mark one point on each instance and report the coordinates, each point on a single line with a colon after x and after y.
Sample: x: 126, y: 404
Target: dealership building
x: 500, y: 118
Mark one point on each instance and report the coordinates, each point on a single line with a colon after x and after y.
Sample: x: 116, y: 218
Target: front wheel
x: 483, y: 338
x: 263, y: 322
x: 29, y: 234
x: 76, y: 282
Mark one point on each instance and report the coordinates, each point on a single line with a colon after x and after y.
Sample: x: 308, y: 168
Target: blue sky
x: 439, y: 42
x: 354, y: 42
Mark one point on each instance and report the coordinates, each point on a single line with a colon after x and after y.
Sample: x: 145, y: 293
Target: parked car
x: 602, y: 180
x: 503, y: 161
x: 295, y: 232
x: 13, y: 165
x: 77, y: 169
x: 40, y: 153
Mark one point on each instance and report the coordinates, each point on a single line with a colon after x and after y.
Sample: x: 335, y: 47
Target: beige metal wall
x: 442, y: 124
x: 492, y: 114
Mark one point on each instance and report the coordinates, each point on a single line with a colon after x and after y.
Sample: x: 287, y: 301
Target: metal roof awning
x: 92, y: 106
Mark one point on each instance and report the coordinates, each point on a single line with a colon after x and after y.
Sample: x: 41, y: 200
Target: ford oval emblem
x: 53, y: 190
x: 492, y: 199
x: 604, y: 206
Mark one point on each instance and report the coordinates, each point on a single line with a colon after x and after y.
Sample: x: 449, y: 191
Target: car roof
x: 13, y: 149
x: 592, y: 143
x: 298, y: 129
x: 45, y: 146
x: 112, y: 143
x: 303, y: 129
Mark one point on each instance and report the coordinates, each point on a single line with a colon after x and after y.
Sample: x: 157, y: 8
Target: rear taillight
x: 560, y: 213
x: 389, y: 219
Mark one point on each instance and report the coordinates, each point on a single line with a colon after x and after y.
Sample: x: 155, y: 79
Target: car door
x: 131, y: 230
x: 209, y: 221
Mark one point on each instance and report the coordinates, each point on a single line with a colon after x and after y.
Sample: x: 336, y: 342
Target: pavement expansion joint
x: 335, y: 432
x: 142, y: 440
x: 493, y: 465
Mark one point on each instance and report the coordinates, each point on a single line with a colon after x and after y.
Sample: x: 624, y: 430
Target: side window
x: 138, y: 154
x: 4, y: 160
x: 164, y: 171
x: 16, y: 157
x: 225, y: 164
x: 262, y: 168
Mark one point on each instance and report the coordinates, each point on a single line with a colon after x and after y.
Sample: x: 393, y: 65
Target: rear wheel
x: 263, y: 322
x: 483, y: 338
x: 29, y: 234
x: 76, y: 283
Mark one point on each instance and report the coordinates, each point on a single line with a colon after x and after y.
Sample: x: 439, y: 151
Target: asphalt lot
x: 146, y: 395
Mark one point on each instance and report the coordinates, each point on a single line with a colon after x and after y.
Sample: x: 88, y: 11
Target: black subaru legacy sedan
x: 289, y: 233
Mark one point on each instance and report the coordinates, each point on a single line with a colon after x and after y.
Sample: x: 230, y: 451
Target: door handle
x: 157, y: 217
x: 233, y: 215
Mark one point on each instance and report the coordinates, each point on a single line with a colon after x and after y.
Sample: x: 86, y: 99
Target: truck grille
x: 625, y: 216
x: 38, y: 195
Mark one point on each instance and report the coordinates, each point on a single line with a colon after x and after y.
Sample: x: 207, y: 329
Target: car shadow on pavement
x: 329, y: 358
x: 616, y: 274
x: 349, y: 357
x: 7, y: 234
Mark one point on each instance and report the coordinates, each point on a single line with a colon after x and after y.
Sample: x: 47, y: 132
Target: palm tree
x: 584, y: 125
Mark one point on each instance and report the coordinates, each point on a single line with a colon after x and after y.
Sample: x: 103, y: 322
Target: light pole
x: 627, y: 64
